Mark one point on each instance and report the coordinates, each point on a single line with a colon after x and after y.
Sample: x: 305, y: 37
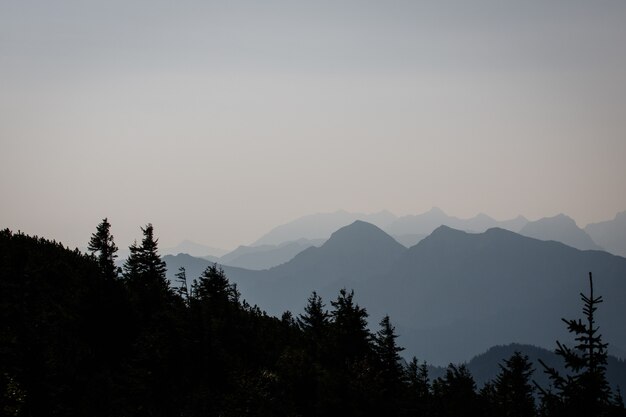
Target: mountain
x: 193, y: 249
x: 349, y: 258
x: 610, y: 234
x: 562, y: 229
x: 425, y: 223
x: 457, y: 293
x: 320, y: 226
x: 454, y: 294
x: 266, y: 256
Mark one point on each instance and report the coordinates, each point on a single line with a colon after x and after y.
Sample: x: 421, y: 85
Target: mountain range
x: 270, y: 251
x: 610, y: 234
x: 451, y: 296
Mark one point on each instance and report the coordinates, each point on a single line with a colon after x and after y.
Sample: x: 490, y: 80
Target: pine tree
x: 513, y: 391
x: 586, y: 391
x: 102, y: 243
x: 214, y: 290
x: 349, y: 326
x: 314, y: 323
x: 388, y: 352
x: 455, y: 393
x: 417, y: 378
x: 181, y: 278
x: 144, y: 266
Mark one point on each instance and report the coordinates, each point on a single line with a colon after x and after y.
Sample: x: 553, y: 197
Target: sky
x: 218, y: 120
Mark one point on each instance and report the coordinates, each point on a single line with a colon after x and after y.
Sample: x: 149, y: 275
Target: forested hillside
x: 79, y: 337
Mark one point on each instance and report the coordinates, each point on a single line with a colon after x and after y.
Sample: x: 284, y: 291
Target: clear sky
x: 217, y: 120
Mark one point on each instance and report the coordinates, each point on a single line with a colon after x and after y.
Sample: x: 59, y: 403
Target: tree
x: 349, y: 326
x: 585, y: 391
x: 144, y: 265
x: 455, y: 393
x: 102, y: 243
x: 513, y: 391
x: 213, y: 286
x: 314, y: 323
x: 388, y: 352
x: 417, y: 378
x: 181, y: 278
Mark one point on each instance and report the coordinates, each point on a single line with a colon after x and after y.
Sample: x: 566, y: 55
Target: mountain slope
x: 560, y: 228
x: 455, y: 294
x: 349, y: 258
x: 611, y: 234
x: 266, y: 256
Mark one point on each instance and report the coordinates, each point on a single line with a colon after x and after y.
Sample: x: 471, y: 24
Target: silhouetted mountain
x: 610, y: 234
x: 425, y: 223
x: 349, y: 258
x: 266, y: 256
x: 457, y: 293
x: 320, y: 226
x: 193, y: 249
x: 560, y: 228
x: 454, y: 294
x: 485, y: 367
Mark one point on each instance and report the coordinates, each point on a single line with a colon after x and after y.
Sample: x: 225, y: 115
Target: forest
x: 82, y: 337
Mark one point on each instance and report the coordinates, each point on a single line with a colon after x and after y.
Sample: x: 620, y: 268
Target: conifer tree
x: 388, y: 352
x: 102, y: 243
x: 181, y: 278
x: 513, y: 391
x: 144, y: 265
x: 349, y: 325
x: 417, y: 378
x: 314, y: 324
x: 214, y: 289
x: 586, y: 391
x: 455, y: 393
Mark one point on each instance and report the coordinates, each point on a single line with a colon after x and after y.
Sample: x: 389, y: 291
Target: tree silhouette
x: 388, y: 351
x: 144, y: 266
x: 584, y: 392
x: 314, y: 324
x: 349, y: 327
x: 102, y: 243
x: 513, y: 391
x: 455, y: 393
x: 418, y: 388
x: 181, y: 278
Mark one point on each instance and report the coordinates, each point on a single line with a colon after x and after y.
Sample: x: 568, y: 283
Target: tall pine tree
x: 584, y: 392
x: 102, y: 243
x: 513, y: 391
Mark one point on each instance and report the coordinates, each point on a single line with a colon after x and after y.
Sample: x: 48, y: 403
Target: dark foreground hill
x: 78, y: 339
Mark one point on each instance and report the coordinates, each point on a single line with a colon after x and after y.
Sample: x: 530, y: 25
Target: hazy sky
x: 216, y: 121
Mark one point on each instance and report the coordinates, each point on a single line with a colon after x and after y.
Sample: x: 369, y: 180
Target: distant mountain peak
x: 436, y: 210
x: 444, y: 231
x: 358, y: 229
x: 561, y: 228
